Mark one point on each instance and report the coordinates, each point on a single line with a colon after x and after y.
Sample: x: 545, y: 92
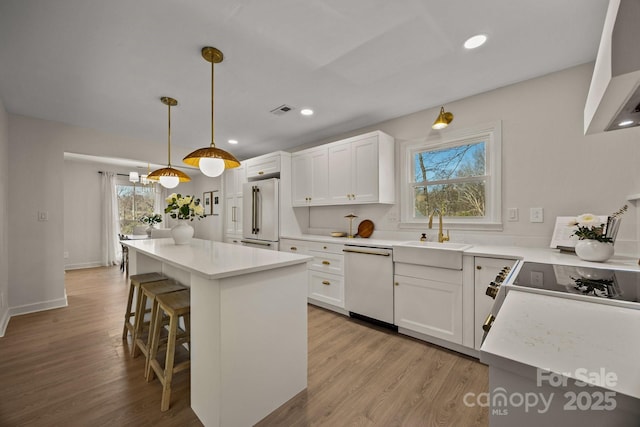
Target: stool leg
x: 152, y: 333
x: 155, y: 343
x: 127, y: 315
x: 141, y: 308
x: 168, y: 365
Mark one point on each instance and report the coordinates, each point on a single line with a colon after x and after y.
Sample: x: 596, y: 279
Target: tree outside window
x: 452, y: 179
x: 134, y: 201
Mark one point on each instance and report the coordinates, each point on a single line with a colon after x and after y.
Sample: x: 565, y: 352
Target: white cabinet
x: 361, y: 170
x: 233, y: 180
x: 485, y: 271
x: 309, y: 171
x: 428, y: 300
x: 351, y: 171
x: 263, y: 166
x: 326, y: 271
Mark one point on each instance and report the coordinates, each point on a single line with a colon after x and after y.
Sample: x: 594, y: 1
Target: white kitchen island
x: 248, y: 324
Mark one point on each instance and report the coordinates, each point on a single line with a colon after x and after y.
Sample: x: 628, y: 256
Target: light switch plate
x: 536, y: 215
x: 512, y: 214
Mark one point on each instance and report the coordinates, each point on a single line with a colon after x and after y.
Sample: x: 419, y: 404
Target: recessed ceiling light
x: 306, y: 112
x: 233, y: 141
x: 626, y: 123
x: 475, y: 41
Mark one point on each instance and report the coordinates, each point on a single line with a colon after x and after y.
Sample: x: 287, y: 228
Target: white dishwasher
x: 369, y: 283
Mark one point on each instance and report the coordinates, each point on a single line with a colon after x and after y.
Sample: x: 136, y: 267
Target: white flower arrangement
x: 184, y: 207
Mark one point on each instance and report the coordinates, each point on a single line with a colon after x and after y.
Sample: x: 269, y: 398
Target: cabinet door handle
x: 478, y: 267
x: 326, y: 263
x: 326, y: 282
x: 488, y: 322
x: 397, y: 284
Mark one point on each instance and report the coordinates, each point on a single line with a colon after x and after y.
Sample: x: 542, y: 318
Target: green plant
x: 590, y: 227
x: 184, y: 207
x: 151, y: 219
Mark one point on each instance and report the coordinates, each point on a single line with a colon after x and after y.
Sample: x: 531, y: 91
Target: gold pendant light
x: 169, y: 177
x: 443, y: 120
x: 211, y: 160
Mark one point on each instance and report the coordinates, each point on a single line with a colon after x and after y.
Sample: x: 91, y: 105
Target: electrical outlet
x: 536, y: 215
x: 66, y: 254
x: 43, y: 216
x: 512, y: 214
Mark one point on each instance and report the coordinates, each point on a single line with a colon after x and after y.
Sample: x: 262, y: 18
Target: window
x: 134, y: 201
x: 459, y: 174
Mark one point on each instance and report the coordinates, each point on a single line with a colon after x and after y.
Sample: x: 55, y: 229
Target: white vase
x: 149, y: 229
x: 182, y: 233
x: 593, y: 250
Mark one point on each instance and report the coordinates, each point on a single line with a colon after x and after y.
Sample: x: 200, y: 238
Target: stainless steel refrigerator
x: 261, y: 214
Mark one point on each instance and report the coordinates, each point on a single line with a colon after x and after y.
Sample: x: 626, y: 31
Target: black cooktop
x: 594, y: 282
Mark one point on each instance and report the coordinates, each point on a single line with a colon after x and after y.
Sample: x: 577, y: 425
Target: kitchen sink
x: 432, y: 254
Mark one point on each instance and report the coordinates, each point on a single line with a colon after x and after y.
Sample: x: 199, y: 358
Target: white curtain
x: 159, y: 203
x: 110, y: 227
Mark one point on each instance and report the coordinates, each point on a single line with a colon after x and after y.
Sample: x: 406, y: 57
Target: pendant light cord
x: 213, y: 144
x: 169, y: 136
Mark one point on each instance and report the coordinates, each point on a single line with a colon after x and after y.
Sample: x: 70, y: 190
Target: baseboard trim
x: 38, y: 306
x: 83, y: 265
x: 4, y: 321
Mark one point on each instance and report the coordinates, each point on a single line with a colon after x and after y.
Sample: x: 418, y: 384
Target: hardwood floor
x: 70, y: 367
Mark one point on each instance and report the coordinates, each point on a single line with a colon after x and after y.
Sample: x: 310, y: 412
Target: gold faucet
x: 441, y: 237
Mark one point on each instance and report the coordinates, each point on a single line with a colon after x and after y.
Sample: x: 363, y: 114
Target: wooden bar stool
x: 175, y: 305
x: 134, y: 289
x: 149, y: 292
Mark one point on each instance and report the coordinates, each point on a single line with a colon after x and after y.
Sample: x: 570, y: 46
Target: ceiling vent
x: 283, y: 109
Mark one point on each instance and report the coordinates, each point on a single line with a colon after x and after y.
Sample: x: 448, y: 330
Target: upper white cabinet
x: 263, y: 166
x: 358, y: 170
x: 310, y: 181
x: 233, y: 180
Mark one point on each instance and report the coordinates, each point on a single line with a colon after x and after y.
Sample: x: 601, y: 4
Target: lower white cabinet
x: 429, y: 301
x: 326, y: 271
x: 327, y: 288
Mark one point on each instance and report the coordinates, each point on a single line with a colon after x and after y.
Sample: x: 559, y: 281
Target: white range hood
x: 614, y: 94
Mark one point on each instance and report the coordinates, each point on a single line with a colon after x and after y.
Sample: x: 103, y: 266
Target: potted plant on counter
x: 595, y: 238
x: 151, y: 221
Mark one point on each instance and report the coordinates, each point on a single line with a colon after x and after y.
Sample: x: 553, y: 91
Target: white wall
x: 547, y: 161
x: 82, y: 215
x: 4, y: 218
x: 210, y: 227
x: 36, y: 274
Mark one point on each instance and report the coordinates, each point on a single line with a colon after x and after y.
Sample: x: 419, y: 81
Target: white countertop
x: 542, y: 255
x: 563, y: 335
x: 215, y: 260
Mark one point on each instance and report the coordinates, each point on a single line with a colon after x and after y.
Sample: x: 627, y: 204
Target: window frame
x: 491, y: 134
x: 124, y: 181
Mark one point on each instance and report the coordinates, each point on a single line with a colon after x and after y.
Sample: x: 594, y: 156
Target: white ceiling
x: 105, y: 64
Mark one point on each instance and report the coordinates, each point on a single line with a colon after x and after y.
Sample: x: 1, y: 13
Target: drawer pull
x: 326, y: 282
x: 293, y: 248
x: 353, y: 251
x: 326, y: 263
x: 324, y: 247
x: 261, y: 173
